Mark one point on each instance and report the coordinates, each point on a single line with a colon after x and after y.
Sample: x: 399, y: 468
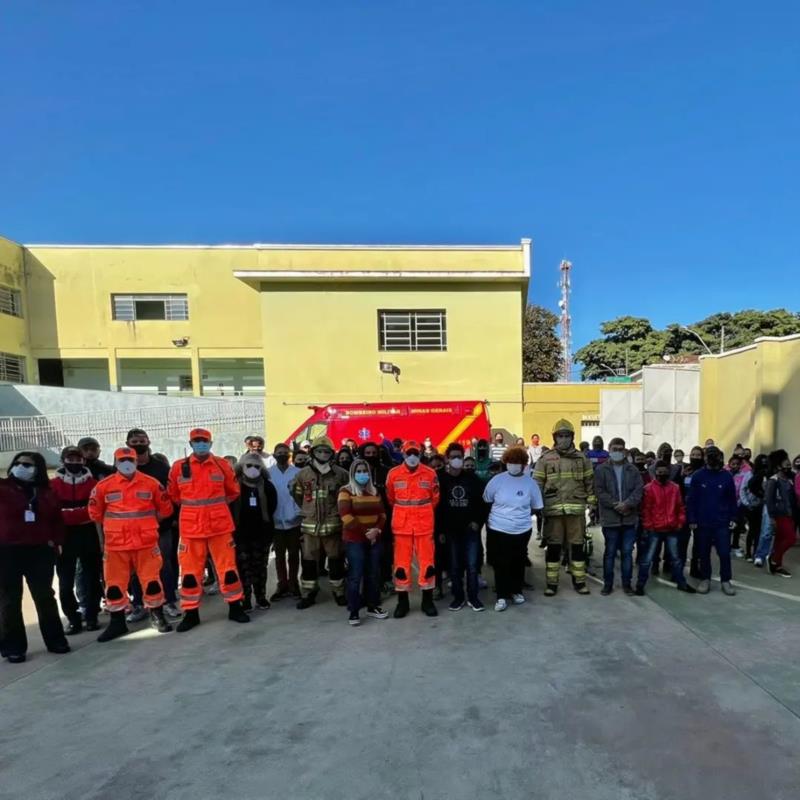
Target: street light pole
x: 700, y: 339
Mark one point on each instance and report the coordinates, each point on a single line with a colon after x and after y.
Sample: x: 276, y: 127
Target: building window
x: 412, y: 330
x: 12, y: 368
x: 136, y: 307
x: 10, y: 302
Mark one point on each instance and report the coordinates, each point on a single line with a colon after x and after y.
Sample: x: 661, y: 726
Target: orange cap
x: 411, y: 445
x: 124, y: 452
x: 199, y: 433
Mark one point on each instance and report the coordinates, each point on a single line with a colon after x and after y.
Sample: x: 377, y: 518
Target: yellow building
x: 300, y: 324
x: 752, y: 395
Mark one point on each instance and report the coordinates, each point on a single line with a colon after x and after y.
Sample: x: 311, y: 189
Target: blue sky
x: 655, y: 145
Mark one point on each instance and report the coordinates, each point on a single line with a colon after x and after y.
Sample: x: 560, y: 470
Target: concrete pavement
x: 669, y: 696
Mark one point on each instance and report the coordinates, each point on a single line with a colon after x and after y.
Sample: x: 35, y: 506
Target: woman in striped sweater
x: 363, y: 517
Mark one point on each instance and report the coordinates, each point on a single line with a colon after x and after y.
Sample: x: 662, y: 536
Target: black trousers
x: 508, y: 559
x: 81, y: 544
x: 36, y: 564
x: 252, y: 553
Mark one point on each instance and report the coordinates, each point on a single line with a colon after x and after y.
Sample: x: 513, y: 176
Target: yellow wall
x: 546, y: 403
x: 13, y: 330
x: 752, y: 395
x: 321, y: 346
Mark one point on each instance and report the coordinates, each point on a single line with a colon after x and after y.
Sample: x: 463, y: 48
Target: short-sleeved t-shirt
x: 513, y: 501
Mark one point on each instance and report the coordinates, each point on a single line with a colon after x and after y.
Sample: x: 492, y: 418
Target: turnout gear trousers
x: 192, y: 556
x: 119, y: 565
x: 560, y: 532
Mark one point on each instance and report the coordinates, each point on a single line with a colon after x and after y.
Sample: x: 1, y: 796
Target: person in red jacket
x: 412, y: 490
x: 663, y: 518
x: 127, y: 507
x: 73, y: 484
x: 203, y: 485
x: 31, y: 532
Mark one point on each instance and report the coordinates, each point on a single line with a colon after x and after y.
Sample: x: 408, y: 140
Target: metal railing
x: 55, y: 431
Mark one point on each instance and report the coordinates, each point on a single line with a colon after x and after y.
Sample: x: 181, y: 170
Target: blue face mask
x: 362, y: 478
x: 201, y: 448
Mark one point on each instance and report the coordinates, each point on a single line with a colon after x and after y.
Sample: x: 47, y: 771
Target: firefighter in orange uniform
x: 413, y: 492
x: 127, y: 507
x: 203, y: 485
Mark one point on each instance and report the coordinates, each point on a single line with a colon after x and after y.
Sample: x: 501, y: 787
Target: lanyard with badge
x: 30, y: 514
x: 253, y: 499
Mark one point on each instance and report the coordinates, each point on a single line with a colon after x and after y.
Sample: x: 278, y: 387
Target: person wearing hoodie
x: 663, y: 518
x: 127, y: 507
x: 781, y: 504
x: 31, y: 533
x: 619, y: 487
x: 566, y: 479
x: 316, y: 491
x: 711, y: 510
x: 363, y: 515
x: 90, y: 448
x: 73, y: 484
x: 253, y: 514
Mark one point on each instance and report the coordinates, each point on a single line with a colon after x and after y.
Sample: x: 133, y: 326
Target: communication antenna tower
x: 566, y: 320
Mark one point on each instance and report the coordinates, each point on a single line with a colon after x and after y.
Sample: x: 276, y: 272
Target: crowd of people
x: 141, y: 538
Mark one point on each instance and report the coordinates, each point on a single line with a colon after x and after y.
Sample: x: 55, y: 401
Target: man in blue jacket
x: 711, y: 510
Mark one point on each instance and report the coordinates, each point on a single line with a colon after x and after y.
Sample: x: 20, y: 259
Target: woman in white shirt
x: 513, y: 497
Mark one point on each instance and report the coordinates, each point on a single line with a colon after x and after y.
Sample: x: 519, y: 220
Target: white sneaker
x: 136, y: 614
x: 211, y: 589
x: 738, y: 553
x: 758, y: 562
x: 501, y: 605
x: 172, y: 611
x: 728, y: 589
x: 518, y: 599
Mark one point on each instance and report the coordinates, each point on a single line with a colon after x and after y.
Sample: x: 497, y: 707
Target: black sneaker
x: 340, y: 599
x: 606, y: 591
x: 263, y: 604
x: 92, y: 625
x: 628, y: 590
x: 16, y: 658
x: 377, y: 612
x: 236, y: 613
x: 59, y: 649
x: 280, y: 594
x: 782, y: 571
x: 354, y: 618
x: 684, y: 587
x: 476, y: 604
x: 456, y: 605
x: 247, y: 605
x: 75, y: 626
x: 639, y: 591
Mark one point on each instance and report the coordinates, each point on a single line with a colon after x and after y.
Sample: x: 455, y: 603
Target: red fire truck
x: 444, y: 422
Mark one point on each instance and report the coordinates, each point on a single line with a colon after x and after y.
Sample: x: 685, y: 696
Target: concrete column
x: 113, y: 371
x: 197, y: 376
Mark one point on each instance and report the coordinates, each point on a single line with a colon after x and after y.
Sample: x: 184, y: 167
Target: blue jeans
x: 650, y: 545
x: 622, y: 538
x: 363, y: 564
x: 464, y: 552
x: 764, y: 547
x: 720, y: 537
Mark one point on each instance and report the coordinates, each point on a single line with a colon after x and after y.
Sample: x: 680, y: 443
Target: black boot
x: 157, y: 620
x: 308, y: 600
x: 191, y: 619
x: 427, y: 607
x: 115, y: 628
x: 340, y: 599
x: 236, y: 613
x: 401, y: 609
x: 75, y: 626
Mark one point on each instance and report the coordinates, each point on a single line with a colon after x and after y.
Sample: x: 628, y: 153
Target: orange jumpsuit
x: 203, y: 489
x: 129, y: 510
x: 413, y: 495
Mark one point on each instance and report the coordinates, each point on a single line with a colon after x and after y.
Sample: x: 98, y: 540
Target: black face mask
x: 74, y: 469
x: 372, y: 460
x: 282, y: 458
x: 663, y: 479
x: 140, y: 449
x: 642, y: 467
x: 714, y: 463
x: 696, y: 462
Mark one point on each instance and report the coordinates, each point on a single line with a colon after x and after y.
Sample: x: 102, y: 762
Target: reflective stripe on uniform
x: 203, y: 501
x: 426, y: 502
x: 130, y: 514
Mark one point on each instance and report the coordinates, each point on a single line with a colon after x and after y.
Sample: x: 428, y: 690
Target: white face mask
x: 412, y: 461
x: 515, y: 469
x: 126, y: 468
x: 22, y: 472
x: 456, y: 463
x: 616, y: 456
x: 252, y: 472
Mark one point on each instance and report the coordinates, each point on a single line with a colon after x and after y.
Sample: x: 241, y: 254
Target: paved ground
x: 669, y: 696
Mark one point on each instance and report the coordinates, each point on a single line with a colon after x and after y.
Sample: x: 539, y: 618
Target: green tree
x: 541, y: 351
x: 629, y: 343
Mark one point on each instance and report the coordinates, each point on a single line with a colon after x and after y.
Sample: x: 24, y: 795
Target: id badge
x: 253, y: 502
x: 30, y: 516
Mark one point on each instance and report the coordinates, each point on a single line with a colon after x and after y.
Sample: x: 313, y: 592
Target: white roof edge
x: 370, y: 274
x: 287, y: 246
x: 752, y: 346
